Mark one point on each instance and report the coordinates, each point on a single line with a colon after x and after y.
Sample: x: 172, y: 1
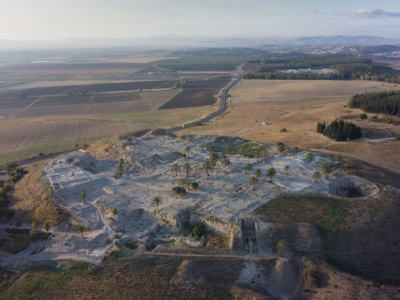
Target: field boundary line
x: 146, y: 97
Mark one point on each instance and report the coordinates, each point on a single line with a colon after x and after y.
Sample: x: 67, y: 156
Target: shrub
x: 179, y: 190
x: 197, y: 123
x: 9, y: 166
x: 388, y: 120
x: 41, y: 154
x: 283, y: 130
x: 363, y: 116
x: 194, y: 185
x: 7, y: 188
x: 197, y: 229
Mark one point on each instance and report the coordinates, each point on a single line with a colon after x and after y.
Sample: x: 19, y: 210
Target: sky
x: 56, y: 19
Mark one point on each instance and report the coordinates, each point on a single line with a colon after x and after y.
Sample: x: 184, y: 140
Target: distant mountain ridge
x: 175, y: 41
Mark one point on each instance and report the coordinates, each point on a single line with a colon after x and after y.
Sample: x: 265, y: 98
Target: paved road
x: 223, y: 105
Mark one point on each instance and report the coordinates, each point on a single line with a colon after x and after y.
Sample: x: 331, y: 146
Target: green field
x: 200, y: 64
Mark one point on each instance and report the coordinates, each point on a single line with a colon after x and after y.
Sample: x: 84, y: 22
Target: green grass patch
x: 325, y: 213
x: 249, y: 149
x: 45, y: 148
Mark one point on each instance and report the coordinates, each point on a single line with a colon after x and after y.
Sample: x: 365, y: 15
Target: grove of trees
x: 340, y: 130
x: 386, y: 102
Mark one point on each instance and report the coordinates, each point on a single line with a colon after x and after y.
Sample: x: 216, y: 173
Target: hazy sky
x: 56, y: 19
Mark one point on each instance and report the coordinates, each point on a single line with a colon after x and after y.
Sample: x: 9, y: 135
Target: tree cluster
x: 340, y: 130
x: 387, y: 102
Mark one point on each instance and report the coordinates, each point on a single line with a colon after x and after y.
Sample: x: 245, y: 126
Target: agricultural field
x: 200, y: 64
x: 197, y: 93
x: 388, y: 62
x: 68, y: 70
x: 253, y: 91
x: 98, y: 88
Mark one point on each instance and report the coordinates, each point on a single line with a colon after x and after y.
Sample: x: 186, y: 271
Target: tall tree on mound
x: 121, y: 161
x: 281, y: 148
x: 80, y: 229
x: 225, y: 161
x: 296, y: 150
x: 253, y: 181
x: 282, y: 246
x: 257, y: 173
x: 286, y: 169
x: 271, y: 173
x: 310, y: 157
x: 123, y: 146
x: 327, y: 169
x: 207, y: 166
x: 114, y: 211
x: 69, y: 161
x: 208, y: 145
x: 34, y: 233
x: 316, y: 176
x: 264, y: 154
x: 175, y: 168
x: 213, y: 158
x: 187, y: 167
x: 248, y: 168
x: 120, y: 170
x: 258, y: 155
x: 187, y: 150
x: 157, y: 201
x: 83, y: 195
x: 35, y: 224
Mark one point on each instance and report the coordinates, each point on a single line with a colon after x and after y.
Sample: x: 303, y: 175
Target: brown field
x: 43, y: 70
x: 278, y: 90
x: 388, y: 62
x: 197, y: 93
x: 98, y: 88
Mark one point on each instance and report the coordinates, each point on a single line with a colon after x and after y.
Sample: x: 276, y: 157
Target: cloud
x: 369, y: 13
x: 316, y: 12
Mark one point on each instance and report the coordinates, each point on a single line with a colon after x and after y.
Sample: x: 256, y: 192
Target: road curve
x: 223, y: 106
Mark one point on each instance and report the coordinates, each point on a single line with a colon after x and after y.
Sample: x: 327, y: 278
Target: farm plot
x: 197, y: 93
x: 89, y: 104
x: 68, y: 70
x: 278, y: 90
x: 9, y: 106
x: 99, y: 88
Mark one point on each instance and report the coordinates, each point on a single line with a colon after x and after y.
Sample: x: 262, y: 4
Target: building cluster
x: 308, y: 71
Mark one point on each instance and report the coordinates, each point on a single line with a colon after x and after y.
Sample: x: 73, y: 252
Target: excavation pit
x: 352, y: 187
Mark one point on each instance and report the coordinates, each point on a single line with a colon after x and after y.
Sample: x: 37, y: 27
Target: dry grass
x: 250, y: 91
x: 32, y: 200
x: 384, y: 153
x: 17, y: 134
